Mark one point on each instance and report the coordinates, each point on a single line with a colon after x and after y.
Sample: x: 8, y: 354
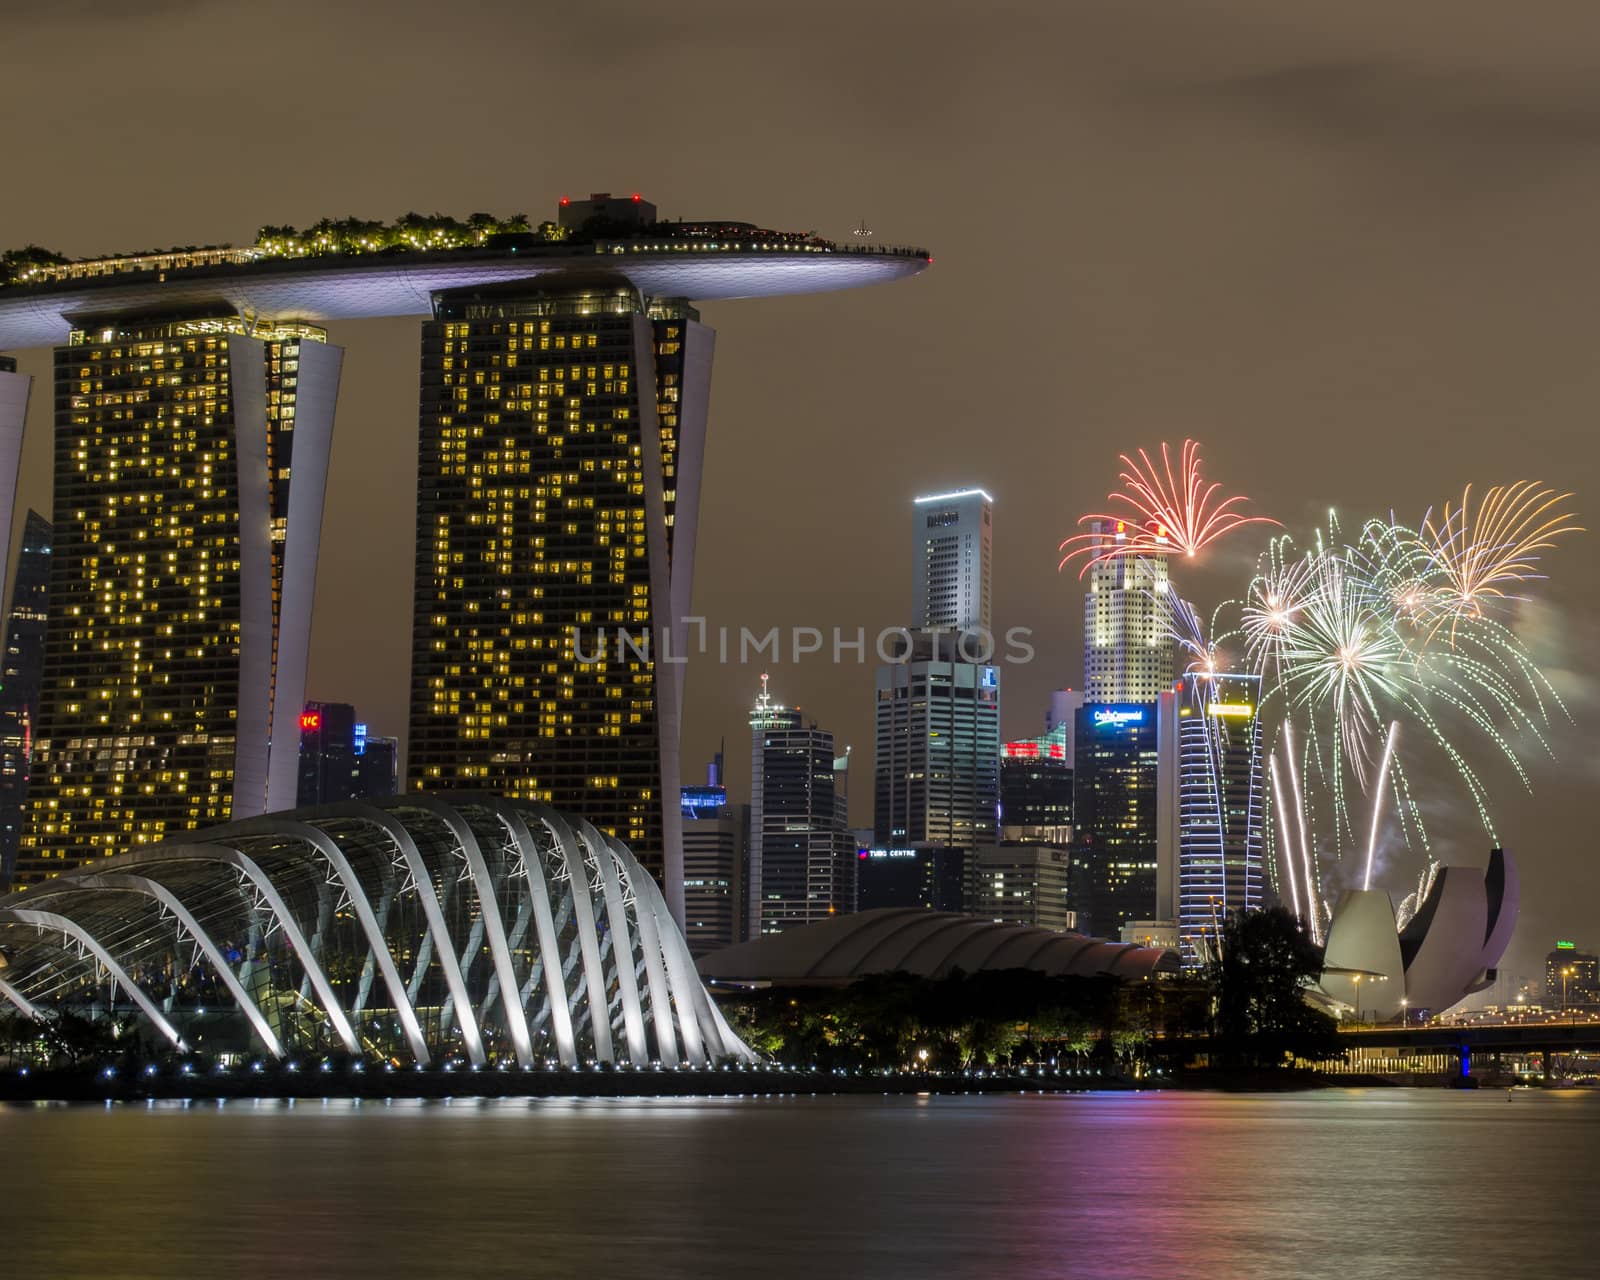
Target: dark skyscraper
x: 801, y: 862
x: 930, y: 877
x: 19, y: 683
x: 1116, y: 834
x: 1036, y: 787
x: 181, y: 580
x: 562, y: 431
x: 714, y: 864
x: 328, y: 760
x: 377, y: 767
x: 338, y: 760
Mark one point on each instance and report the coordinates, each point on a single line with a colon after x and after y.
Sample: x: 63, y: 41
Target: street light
x: 1565, y: 974
x: 1357, y: 980
x: 1405, y: 1015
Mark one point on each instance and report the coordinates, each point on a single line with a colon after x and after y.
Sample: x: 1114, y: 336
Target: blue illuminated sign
x: 1115, y: 717
x: 361, y: 739
x: 703, y: 802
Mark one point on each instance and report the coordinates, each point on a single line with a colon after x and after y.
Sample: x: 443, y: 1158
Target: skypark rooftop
x: 736, y: 261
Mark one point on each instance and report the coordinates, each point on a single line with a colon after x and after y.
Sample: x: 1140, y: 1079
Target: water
x: 1336, y: 1184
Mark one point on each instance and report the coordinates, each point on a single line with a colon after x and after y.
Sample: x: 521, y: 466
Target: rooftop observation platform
x: 744, y: 263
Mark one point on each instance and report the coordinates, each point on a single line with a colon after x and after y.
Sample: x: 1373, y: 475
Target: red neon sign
x: 311, y: 720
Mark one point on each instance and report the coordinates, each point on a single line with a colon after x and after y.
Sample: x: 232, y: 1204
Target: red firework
x: 1167, y: 513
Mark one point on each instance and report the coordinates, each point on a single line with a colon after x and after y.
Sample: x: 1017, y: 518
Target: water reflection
x: 1338, y: 1184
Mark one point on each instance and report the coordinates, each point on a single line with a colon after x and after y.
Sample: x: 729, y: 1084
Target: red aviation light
x: 637, y: 197
x: 310, y: 720
x: 565, y: 202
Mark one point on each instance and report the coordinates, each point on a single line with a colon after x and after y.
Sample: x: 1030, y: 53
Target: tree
x: 1258, y: 982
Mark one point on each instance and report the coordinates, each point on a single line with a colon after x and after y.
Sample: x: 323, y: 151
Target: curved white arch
x: 544, y: 922
x: 622, y: 943
x: 493, y: 922
x: 594, y: 974
x: 444, y: 948
x: 223, y: 855
x: 655, y: 972
x: 681, y: 977
x: 171, y: 901
x: 24, y: 1005
x: 72, y: 929
x: 334, y: 856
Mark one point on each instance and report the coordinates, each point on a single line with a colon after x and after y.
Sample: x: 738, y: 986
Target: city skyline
x: 1444, y: 376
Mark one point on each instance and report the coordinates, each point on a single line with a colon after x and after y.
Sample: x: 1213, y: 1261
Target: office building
x: 1128, y: 651
x: 1026, y: 883
x: 558, y: 485
x: 800, y: 847
x: 936, y: 775
x: 1036, y: 787
x: 182, y: 576
x: 715, y: 851
x: 928, y: 876
x: 20, y: 670
x: 938, y: 749
x: 951, y: 552
x: 339, y: 760
x: 327, y: 753
x: 1220, y: 804
x: 1571, y: 977
x: 377, y: 765
x: 1124, y: 828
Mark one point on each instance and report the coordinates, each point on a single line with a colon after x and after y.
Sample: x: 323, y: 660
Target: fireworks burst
x: 1164, y: 512
x: 1473, y: 560
x: 1352, y: 638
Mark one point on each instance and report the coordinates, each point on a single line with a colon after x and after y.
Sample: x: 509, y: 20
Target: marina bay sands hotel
x: 565, y: 384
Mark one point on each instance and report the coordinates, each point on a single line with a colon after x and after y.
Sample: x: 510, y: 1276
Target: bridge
x: 1547, y: 1039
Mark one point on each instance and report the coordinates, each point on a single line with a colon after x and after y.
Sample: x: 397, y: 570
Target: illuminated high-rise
x: 182, y: 577
x: 1128, y: 653
x: 14, y: 388
x: 562, y: 430
x: 562, y: 427
x: 715, y: 857
x: 21, y: 668
x: 1124, y: 815
x: 1220, y: 805
x: 802, y: 859
x: 951, y: 553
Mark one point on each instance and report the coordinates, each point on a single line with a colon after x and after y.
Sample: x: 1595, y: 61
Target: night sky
x: 1351, y: 249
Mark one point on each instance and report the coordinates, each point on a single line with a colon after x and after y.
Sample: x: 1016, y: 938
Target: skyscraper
x: 1026, y: 882
x: 799, y: 838
x: 1123, y: 822
x: 938, y: 748
x: 328, y: 761
x: 715, y: 833
x: 1036, y: 787
x: 936, y: 774
x: 23, y: 663
x: 1220, y: 805
x: 182, y: 577
x: 377, y: 766
x: 562, y: 428
x: 14, y: 388
x: 951, y: 553
x: 1128, y: 653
